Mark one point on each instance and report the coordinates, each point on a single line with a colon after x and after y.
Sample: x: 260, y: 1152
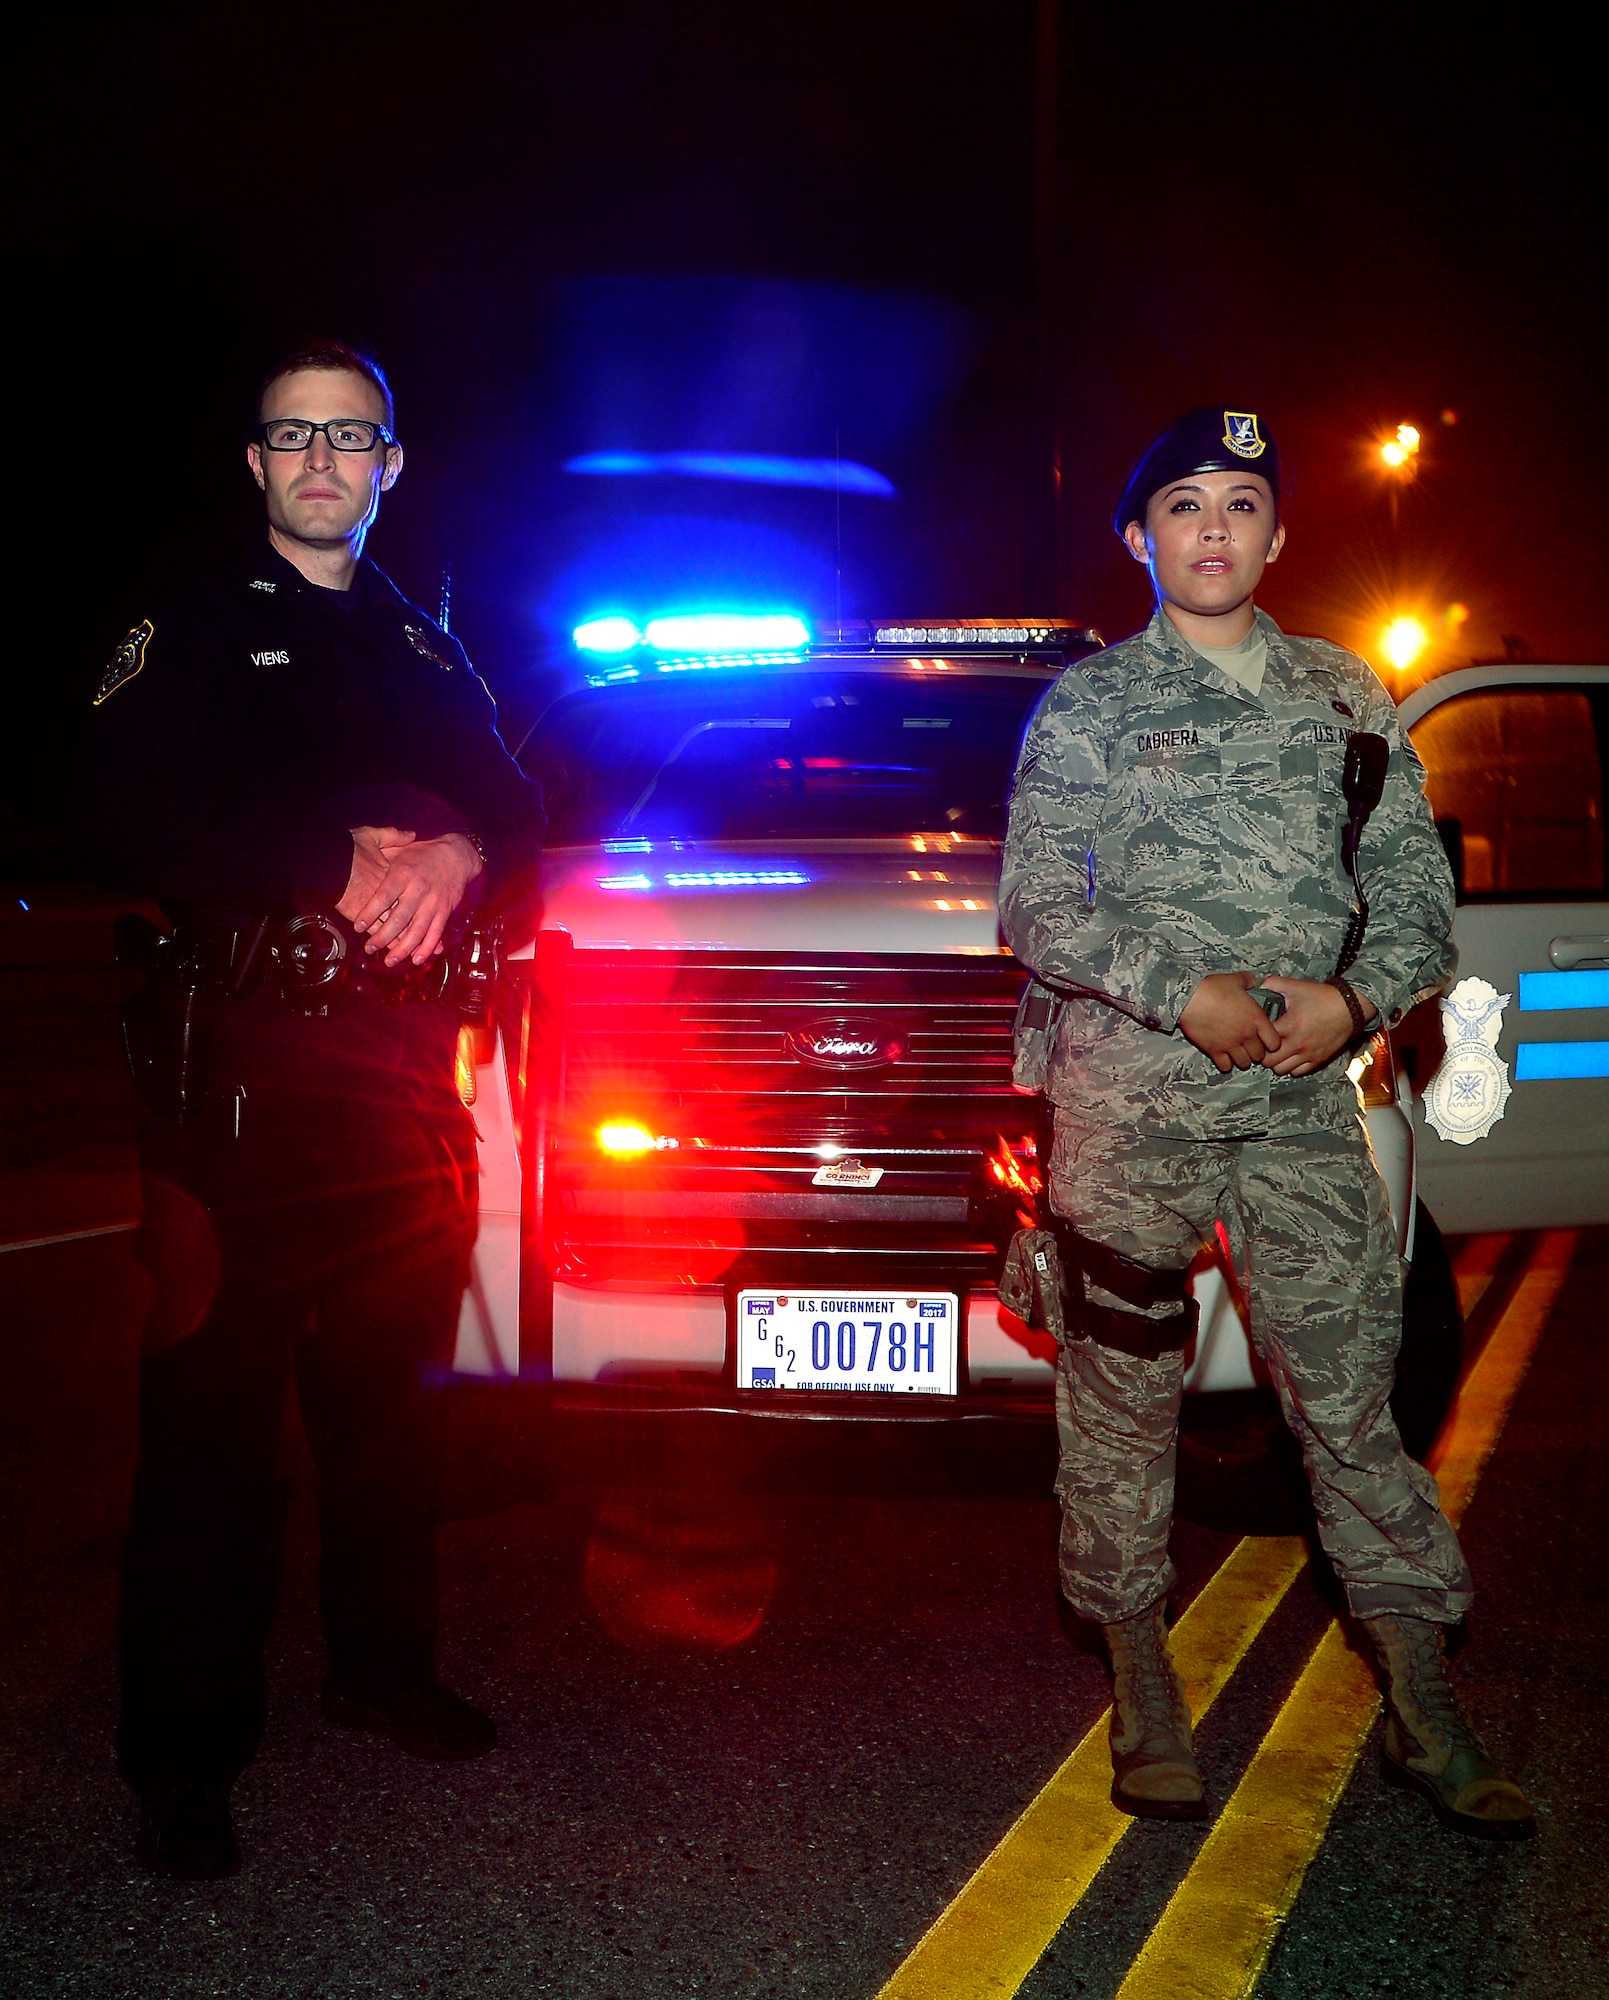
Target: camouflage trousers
x: 1311, y: 1235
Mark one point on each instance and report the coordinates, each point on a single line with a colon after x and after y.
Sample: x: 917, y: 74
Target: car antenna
x: 838, y: 523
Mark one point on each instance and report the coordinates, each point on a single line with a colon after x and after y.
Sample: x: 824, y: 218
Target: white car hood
x: 917, y: 892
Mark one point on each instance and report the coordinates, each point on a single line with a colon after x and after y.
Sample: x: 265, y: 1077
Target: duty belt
x: 316, y: 965
x: 310, y: 963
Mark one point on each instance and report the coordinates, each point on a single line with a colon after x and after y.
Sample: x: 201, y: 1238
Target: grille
x: 695, y: 1047
x: 704, y: 1036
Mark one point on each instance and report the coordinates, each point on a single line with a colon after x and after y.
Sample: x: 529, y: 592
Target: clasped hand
x: 402, y: 890
x: 1227, y: 1025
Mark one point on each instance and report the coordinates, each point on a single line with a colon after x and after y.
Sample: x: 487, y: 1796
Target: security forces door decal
x: 1470, y: 1091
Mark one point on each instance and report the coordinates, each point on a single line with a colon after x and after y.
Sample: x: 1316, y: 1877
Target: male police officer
x: 1176, y: 841
x: 303, y: 769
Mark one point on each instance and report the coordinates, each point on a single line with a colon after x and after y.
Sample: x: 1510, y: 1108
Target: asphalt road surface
x: 769, y: 1699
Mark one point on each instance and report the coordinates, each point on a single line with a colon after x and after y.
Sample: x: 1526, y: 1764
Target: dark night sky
x: 697, y: 223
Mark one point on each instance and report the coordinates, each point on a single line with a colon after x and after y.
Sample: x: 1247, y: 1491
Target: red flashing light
x: 1015, y: 1167
x: 625, y: 1139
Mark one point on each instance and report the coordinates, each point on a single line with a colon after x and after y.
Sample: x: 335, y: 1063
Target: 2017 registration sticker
x: 889, y: 1345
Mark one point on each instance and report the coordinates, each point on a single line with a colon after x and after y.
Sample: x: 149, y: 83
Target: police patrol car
x: 749, y: 1137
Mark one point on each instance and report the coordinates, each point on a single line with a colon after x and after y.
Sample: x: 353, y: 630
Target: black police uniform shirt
x: 251, y: 722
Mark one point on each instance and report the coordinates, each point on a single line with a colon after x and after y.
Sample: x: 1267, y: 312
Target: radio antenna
x: 838, y: 524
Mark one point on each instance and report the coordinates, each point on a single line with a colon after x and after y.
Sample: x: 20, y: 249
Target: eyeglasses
x: 342, y: 434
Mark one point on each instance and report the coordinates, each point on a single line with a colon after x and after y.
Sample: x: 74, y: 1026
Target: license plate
x: 902, y: 1344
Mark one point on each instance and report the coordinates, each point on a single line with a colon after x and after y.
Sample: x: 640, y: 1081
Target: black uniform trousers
x: 315, y: 1229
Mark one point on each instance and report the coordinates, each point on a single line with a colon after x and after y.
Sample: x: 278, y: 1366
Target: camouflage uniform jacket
x: 1165, y: 824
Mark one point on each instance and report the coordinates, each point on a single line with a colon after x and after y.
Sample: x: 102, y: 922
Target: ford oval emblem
x: 845, y: 1043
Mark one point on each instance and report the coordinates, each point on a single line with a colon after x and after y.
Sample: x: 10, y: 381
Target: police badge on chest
x: 420, y: 642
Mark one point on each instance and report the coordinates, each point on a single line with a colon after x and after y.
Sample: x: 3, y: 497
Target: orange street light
x: 1402, y: 642
x: 1400, y: 450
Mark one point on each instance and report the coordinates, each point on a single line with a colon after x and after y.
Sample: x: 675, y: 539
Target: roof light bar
x: 987, y: 632
x: 691, y: 639
x: 613, y: 634
x: 728, y: 632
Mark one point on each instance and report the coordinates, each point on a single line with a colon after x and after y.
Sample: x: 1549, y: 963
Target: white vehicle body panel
x: 614, y: 1333
x: 489, y: 1320
x: 1545, y: 1162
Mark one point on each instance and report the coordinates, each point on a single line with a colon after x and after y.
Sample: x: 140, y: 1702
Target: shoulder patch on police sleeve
x: 126, y: 662
x: 419, y: 639
x: 1242, y: 435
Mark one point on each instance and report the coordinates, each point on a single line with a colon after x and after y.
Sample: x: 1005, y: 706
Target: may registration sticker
x: 905, y: 1344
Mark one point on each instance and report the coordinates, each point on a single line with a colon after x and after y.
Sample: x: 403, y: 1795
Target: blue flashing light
x: 612, y: 634
x: 684, y: 666
x: 832, y: 475
x: 704, y: 878
x: 627, y: 846
x: 1540, y: 1062
x: 739, y: 878
x: 1551, y: 992
x: 728, y: 632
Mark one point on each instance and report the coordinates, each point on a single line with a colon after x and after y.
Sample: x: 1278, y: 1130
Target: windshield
x: 809, y: 754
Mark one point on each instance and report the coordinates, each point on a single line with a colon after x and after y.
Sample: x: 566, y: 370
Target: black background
x: 570, y: 226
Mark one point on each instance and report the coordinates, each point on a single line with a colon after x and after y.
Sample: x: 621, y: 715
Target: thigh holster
x: 1139, y: 1286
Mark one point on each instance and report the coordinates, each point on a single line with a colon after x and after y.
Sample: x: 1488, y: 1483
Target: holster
x: 1034, y: 1035
x: 167, y: 1026
x: 1139, y: 1286
x: 1030, y: 1281
x: 1363, y: 785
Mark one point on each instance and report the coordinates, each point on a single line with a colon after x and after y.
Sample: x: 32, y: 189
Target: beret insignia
x: 126, y: 662
x: 420, y: 642
x: 1242, y: 435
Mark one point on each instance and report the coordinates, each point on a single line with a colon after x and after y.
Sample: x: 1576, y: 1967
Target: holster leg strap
x: 1138, y: 1285
x: 1133, y: 1333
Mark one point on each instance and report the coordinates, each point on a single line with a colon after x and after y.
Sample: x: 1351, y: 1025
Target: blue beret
x: 1209, y: 440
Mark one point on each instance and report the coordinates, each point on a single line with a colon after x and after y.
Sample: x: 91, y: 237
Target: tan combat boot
x: 1430, y: 1746
x: 1153, y: 1767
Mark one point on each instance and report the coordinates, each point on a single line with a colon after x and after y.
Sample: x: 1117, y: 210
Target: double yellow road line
x: 1214, y: 1937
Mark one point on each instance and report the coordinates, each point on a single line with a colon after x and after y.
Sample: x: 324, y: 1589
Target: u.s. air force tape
x: 126, y: 662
